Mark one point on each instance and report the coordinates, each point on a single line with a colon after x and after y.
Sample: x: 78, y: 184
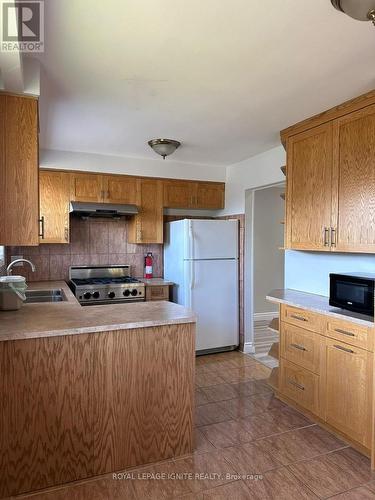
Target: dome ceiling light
x: 164, y: 147
x: 363, y: 10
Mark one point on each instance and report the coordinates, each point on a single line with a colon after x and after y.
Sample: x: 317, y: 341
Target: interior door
x: 54, y: 206
x: 354, y: 181
x: 309, y: 189
x: 213, y: 290
x: 212, y: 239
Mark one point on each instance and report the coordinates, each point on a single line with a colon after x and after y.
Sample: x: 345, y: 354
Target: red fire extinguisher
x: 148, y: 265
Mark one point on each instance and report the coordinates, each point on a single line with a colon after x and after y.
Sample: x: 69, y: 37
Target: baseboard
x: 268, y: 316
x: 248, y: 348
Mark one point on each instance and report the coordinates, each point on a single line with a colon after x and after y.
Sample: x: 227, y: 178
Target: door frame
x: 249, y: 346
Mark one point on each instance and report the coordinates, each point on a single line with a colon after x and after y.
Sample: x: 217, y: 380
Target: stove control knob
x: 134, y: 292
x: 87, y: 295
x: 96, y: 295
x: 126, y: 293
x: 111, y: 295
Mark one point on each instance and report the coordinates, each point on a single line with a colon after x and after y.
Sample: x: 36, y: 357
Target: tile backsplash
x: 92, y: 242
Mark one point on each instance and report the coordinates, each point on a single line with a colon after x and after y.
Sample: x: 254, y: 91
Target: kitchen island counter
x: 36, y: 320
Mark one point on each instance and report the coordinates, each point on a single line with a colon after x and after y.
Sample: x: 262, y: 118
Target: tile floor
x: 249, y: 445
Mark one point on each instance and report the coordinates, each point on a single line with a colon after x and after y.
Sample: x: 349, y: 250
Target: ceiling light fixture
x: 164, y: 147
x: 363, y: 10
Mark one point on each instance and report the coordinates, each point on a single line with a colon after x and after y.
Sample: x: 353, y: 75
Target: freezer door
x: 207, y: 239
x: 212, y: 293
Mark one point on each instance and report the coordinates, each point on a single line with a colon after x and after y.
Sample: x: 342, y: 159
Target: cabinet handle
x: 343, y: 349
x: 350, y: 334
x: 299, y: 347
x: 333, y: 237
x: 300, y: 318
x: 41, y: 221
x: 326, y: 237
x: 295, y: 384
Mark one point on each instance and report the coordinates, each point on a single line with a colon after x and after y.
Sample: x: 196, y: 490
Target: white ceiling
x: 222, y: 76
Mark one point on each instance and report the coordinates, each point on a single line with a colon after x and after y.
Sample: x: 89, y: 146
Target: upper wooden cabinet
x: 196, y: 195
x: 86, y: 187
x: 330, y: 203
x: 19, y: 190
x: 147, y: 226
x: 54, y: 192
x: 119, y: 189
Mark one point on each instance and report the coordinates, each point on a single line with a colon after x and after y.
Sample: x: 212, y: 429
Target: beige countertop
x: 318, y: 304
x: 70, y: 318
x: 155, y: 282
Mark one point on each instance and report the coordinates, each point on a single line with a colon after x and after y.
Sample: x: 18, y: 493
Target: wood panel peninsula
x: 90, y: 390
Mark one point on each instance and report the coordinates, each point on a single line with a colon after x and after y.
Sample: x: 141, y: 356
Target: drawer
x: 303, y: 318
x: 157, y: 292
x: 300, y: 385
x: 301, y: 347
x: 350, y: 333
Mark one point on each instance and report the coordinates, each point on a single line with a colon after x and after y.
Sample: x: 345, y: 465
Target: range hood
x: 107, y: 210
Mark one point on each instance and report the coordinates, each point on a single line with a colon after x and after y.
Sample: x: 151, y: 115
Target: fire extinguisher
x: 148, y: 265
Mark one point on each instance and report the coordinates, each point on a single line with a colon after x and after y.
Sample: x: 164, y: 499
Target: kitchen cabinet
x: 331, y: 179
x: 354, y: 182
x: 195, y: 195
x: 19, y: 190
x: 160, y: 292
x: 54, y: 192
x: 119, y: 189
x: 86, y: 187
x: 349, y: 390
x: 147, y: 225
x: 309, y: 189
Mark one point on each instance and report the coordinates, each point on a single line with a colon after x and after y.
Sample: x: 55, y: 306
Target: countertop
x: 70, y: 318
x: 155, y: 282
x: 318, y: 304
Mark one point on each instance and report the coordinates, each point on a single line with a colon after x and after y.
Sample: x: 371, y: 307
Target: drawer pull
x: 343, y: 349
x: 350, y: 334
x: 299, y: 347
x: 296, y: 384
x: 300, y: 318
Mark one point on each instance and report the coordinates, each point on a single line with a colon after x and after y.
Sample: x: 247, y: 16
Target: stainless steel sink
x: 55, y: 295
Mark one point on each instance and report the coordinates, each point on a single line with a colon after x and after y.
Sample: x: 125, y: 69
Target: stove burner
x: 105, y: 281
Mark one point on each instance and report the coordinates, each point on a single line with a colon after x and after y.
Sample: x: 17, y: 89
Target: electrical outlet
x: 15, y: 257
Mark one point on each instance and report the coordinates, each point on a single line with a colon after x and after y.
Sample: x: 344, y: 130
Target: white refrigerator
x: 201, y: 258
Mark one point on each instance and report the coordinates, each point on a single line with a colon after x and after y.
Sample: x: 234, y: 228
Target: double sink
x: 54, y: 295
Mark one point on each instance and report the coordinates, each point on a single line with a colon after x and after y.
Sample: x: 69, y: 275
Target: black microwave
x: 354, y: 292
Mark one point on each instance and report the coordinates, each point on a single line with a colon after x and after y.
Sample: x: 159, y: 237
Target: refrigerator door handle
x: 191, y: 240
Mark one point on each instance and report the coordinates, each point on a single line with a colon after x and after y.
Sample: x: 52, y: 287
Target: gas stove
x: 105, y: 285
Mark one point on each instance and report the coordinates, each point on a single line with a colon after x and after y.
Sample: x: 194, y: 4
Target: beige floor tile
x: 251, y: 387
x: 240, y: 407
x: 371, y: 486
x: 250, y: 372
x: 324, y: 477
x: 361, y: 493
x: 219, y: 392
x: 200, y: 397
x: 206, y: 379
x: 210, y: 413
x: 353, y: 462
x: 226, y: 434
x: 249, y: 459
x: 235, y: 491
x: 300, y: 444
x: 267, y: 401
x: 279, y: 484
x: 287, y: 418
x: 202, y: 444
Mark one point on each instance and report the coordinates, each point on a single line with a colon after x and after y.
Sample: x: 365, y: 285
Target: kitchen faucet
x: 9, y: 268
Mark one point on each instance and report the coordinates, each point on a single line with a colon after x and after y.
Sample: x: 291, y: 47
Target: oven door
x: 352, y: 293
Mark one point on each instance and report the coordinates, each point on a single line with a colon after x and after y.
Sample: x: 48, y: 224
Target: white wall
x: 260, y: 170
x: 70, y: 160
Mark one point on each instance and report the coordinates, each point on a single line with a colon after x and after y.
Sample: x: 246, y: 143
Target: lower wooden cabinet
x: 147, y: 225
x: 54, y: 192
x: 348, y: 391
x: 157, y: 292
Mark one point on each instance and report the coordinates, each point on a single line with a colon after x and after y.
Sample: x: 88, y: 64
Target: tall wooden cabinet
x: 147, y: 225
x: 19, y: 199
x: 331, y: 179
x: 54, y: 190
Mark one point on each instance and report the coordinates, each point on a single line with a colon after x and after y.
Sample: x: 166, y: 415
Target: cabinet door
x: 86, y: 187
x: 19, y: 191
x: 54, y: 206
x: 147, y: 225
x: 309, y: 189
x: 354, y: 181
x: 349, y: 390
x: 179, y: 194
x: 210, y: 195
x: 120, y: 189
